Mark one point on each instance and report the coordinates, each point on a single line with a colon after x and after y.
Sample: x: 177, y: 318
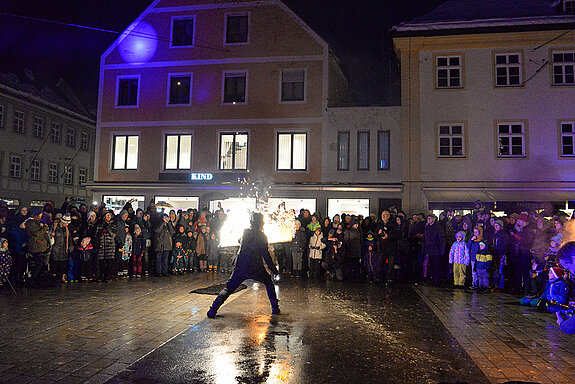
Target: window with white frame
x: 511, y: 139
x: 292, y: 151
x: 71, y: 137
x: 233, y: 150
x: 56, y: 132
x: 180, y: 89
x: 237, y: 26
x: 569, y: 6
x: 69, y: 175
x: 508, y: 69
x: 125, y: 152
x: 568, y: 138
x: 82, y: 176
x: 183, y: 32
x: 564, y: 68
x: 450, y: 140
x: 1, y: 116
x: 16, y: 166
x: 52, y: 173
x: 293, y: 85
x: 19, y: 122
x: 363, y: 151
x: 178, y: 151
x: 383, y: 150
x: 449, y: 71
x: 38, y: 127
x: 127, y: 91
x: 35, y: 170
x: 343, y: 151
x: 235, y: 85
x: 84, y: 141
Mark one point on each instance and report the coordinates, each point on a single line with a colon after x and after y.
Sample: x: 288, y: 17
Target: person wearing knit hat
x: 459, y: 257
x: 499, y: 222
x: 66, y: 219
x: 483, y: 265
x: 499, y: 246
x: 523, y: 217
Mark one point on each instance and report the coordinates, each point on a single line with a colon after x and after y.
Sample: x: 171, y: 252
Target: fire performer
x: 249, y: 264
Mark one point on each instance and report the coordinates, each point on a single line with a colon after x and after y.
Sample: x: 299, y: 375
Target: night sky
x: 355, y: 29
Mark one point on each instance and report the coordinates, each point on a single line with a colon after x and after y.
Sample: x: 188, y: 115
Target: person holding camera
x: 316, y: 247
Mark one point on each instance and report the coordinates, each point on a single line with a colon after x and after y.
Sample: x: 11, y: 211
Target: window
x: 293, y: 85
x: 38, y: 127
x: 511, y: 137
x: 82, y: 176
x: 56, y: 133
x: 564, y: 68
x: 237, y: 29
x: 16, y: 166
x: 178, y: 152
x: 1, y: 116
x: 383, y: 149
x: 19, y: 122
x: 84, y: 141
x: 35, y: 170
x: 449, y: 71
x: 69, y: 175
x: 343, y: 151
x: 183, y: 32
x: 71, y: 137
x: 235, y: 84
x: 450, y: 140
x: 508, y: 70
x: 569, y: 6
x: 292, y: 151
x: 53, y: 173
x: 127, y: 92
x: 363, y: 151
x: 180, y: 89
x: 568, y: 138
x: 233, y: 151
x: 125, y: 152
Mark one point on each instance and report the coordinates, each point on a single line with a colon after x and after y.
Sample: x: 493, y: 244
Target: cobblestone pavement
x: 89, y: 332
x: 507, y: 341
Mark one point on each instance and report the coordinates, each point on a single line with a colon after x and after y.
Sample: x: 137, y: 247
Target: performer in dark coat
x: 249, y: 264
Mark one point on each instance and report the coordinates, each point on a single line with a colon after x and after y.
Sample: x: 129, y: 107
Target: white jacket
x: 315, y: 246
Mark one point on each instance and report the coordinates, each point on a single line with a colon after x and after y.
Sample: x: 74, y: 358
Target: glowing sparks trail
x: 279, y: 225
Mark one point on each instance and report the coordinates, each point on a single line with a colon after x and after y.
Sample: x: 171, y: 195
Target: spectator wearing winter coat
x: 473, y: 246
x: 38, y: 245
x: 459, y: 258
x: 63, y: 246
x: 387, y: 237
x: 163, y: 245
x: 352, y: 245
x: 18, y: 244
x: 138, y: 251
x: 316, y: 247
x: 433, y: 247
x: 298, y: 248
x: 523, y: 237
x: 500, y: 250
x: 483, y: 265
x: 106, y: 235
x: 5, y: 261
x: 86, y: 255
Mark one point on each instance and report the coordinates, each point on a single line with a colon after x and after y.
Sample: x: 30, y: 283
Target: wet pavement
x: 153, y: 331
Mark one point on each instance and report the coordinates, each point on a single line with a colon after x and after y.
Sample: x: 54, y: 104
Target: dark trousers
x: 38, y: 264
x: 522, y: 274
x: 315, y: 267
x: 18, y: 268
x: 105, y: 269
x: 436, y: 268
x: 162, y: 262
x: 236, y: 279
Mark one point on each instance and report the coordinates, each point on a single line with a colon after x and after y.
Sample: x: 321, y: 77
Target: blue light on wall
x: 140, y: 44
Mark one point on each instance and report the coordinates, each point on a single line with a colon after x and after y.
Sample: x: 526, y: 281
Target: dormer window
x: 569, y: 6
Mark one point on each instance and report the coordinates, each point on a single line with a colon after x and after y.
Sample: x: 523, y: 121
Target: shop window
x: 183, y: 32
x: 293, y: 85
x: 116, y: 203
x: 292, y: 151
x: 56, y: 132
x: 508, y: 70
x: 383, y: 150
x: 511, y: 139
x: 178, y: 152
x: 237, y: 27
x: 180, y: 89
x: 233, y: 151
x: 448, y: 71
x: 127, y: 91
x: 235, y: 87
x: 363, y: 151
x: 348, y: 206
x: 35, y: 170
x: 343, y: 151
x: 18, y: 122
x: 568, y: 138
x: 125, y: 152
x: 450, y: 140
x: 564, y: 68
x: 38, y: 127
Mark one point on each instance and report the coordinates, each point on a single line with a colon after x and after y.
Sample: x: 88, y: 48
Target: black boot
x: 275, y: 306
x: 217, y: 304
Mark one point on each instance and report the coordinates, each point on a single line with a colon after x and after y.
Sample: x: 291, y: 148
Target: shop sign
x: 201, y: 176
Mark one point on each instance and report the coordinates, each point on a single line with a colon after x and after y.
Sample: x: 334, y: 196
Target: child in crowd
x: 555, y: 295
x: 85, y: 254
x: 540, y: 268
x: 201, y: 249
x: 370, y: 258
x: 316, y: 247
x: 178, y: 258
x: 459, y: 257
x: 191, y: 251
x: 473, y: 246
x: 213, y: 253
x: 482, y: 266
x: 138, y: 251
x: 5, y: 261
x: 126, y: 252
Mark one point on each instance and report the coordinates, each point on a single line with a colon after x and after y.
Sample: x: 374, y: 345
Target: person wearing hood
x: 316, y: 246
x: 473, y: 246
x: 5, y: 261
x: 63, y: 246
x: 459, y: 258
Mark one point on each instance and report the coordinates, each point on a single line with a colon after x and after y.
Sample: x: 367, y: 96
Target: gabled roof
x: 457, y: 16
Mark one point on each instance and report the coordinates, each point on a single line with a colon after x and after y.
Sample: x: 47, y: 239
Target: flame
x: 568, y: 232
x: 279, y: 225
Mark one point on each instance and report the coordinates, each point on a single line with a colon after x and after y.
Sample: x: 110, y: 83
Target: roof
x: 489, y: 15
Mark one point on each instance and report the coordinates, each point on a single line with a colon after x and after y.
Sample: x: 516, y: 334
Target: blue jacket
x: 473, y: 247
x: 483, y: 259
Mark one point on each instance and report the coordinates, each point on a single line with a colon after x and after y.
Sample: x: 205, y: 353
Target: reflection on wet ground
x: 327, y: 333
